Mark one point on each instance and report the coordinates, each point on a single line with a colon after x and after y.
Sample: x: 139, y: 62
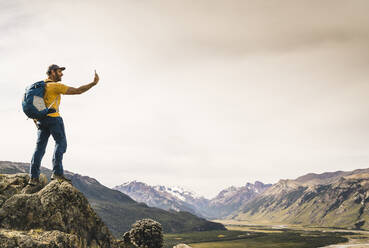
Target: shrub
x: 145, y: 233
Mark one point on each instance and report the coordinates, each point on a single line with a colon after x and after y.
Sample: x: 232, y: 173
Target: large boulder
x: 145, y: 233
x: 52, y: 214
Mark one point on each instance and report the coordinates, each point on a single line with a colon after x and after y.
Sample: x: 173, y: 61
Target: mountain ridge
x: 166, y: 197
x: 118, y: 210
x: 331, y: 199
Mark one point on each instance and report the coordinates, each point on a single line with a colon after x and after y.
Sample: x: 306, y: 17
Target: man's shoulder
x: 54, y: 84
x: 51, y: 85
x: 56, y: 87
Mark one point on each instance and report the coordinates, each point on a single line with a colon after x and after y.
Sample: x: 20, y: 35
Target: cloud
x: 238, y: 28
x: 208, y: 91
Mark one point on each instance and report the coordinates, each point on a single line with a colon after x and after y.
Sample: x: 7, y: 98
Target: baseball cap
x: 54, y: 67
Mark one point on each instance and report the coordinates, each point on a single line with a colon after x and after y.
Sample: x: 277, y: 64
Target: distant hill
x: 179, y: 199
x: 332, y: 199
x: 327, y: 177
x: 118, y: 210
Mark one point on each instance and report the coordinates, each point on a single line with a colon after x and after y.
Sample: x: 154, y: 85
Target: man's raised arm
x: 84, y: 88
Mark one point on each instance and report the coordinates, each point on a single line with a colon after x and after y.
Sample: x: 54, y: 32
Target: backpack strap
x: 53, y: 102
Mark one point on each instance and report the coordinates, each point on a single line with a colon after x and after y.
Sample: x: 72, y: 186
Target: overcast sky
x: 199, y: 93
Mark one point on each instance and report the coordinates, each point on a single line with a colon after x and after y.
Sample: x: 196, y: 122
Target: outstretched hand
x: 96, y: 79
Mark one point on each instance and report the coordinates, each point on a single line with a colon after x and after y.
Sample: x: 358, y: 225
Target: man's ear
x: 53, y: 72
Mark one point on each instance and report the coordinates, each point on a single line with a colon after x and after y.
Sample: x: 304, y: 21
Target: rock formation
x: 50, y: 215
x: 145, y: 233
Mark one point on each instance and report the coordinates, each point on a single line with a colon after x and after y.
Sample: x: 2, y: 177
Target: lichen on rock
x: 145, y: 233
x: 53, y: 214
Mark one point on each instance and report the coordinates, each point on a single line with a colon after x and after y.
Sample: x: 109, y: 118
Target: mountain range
x: 167, y: 198
x: 118, y: 210
x: 332, y: 199
x: 179, y: 199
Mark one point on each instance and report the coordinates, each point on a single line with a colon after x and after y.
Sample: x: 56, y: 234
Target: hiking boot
x: 60, y: 177
x: 34, y: 181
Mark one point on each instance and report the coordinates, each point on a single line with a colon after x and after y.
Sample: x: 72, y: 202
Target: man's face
x: 57, y: 74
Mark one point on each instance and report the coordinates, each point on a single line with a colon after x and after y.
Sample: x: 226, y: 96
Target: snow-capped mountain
x: 180, y: 199
x: 177, y: 191
x: 168, y: 198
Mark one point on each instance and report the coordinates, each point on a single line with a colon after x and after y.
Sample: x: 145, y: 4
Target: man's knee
x: 41, y: 147
x: 64, y: 147
x: 61, y: 146
x: 40, y: 152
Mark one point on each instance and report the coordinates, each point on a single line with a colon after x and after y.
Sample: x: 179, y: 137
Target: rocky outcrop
x: 53, y: 214
x: 38, y: 238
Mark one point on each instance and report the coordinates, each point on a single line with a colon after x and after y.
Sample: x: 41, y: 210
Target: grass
x: 250, y: 229
x: 244, y: 244
x: 263, y: 237
x: 199, y: 237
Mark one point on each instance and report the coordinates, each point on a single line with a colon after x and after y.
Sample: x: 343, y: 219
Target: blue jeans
x: 55, y: 127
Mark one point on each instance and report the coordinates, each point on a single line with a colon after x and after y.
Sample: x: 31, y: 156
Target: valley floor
x: 359, y: 239
x: 240, y: 235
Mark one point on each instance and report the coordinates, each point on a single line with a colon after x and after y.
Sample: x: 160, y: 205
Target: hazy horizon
x: 201, y: 94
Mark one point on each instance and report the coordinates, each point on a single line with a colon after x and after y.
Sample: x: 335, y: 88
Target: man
x: 53, y: 124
